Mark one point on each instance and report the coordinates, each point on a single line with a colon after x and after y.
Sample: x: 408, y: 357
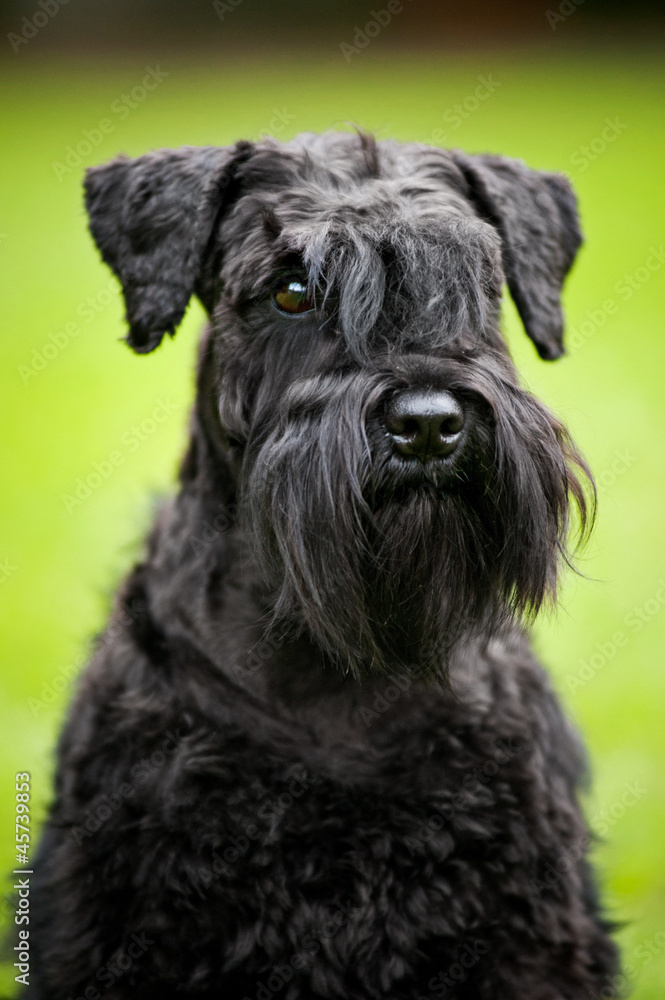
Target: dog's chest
x: 341, y: 855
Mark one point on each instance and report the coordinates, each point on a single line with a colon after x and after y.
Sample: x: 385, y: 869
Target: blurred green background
x: 574, y: 97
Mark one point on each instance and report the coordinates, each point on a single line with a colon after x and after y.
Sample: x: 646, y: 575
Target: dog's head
x: 401, y: 488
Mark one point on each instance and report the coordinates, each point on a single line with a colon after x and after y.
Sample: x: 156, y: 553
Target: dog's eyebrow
x: 271, y: 223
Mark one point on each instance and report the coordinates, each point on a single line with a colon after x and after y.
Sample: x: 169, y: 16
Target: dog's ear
x: 152, y: 218
x: 536, y: 216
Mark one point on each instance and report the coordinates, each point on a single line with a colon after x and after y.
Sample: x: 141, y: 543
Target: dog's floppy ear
x: 152, y: 218
x: 536, y: 216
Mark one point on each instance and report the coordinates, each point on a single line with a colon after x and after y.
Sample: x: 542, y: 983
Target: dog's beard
x: 391, y: 577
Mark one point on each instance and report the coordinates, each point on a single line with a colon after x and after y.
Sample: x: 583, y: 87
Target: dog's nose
x: 424, y: 424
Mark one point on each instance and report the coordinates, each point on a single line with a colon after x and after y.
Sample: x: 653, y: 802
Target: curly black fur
x: 313, y: 755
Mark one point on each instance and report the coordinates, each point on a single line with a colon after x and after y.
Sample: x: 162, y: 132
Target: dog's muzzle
x: 424, y: 425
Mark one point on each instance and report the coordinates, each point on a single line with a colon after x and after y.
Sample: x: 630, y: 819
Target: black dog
x: 313, y: 755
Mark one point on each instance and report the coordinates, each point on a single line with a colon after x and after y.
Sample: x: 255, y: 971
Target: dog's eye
x: 290, y: 296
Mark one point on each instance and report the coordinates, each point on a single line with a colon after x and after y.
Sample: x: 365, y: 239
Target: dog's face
x: 401, y: 489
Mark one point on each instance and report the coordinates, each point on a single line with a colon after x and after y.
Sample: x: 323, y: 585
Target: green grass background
x: 63, y: 565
